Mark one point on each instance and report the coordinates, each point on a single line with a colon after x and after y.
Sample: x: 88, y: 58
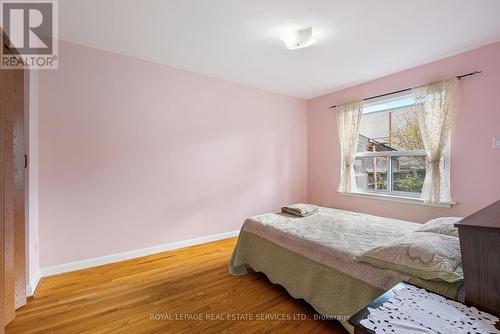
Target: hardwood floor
x: 166, y: 293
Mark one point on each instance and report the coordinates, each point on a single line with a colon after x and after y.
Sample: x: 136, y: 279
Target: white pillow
x: 430, y: 256
x: 443, y: 225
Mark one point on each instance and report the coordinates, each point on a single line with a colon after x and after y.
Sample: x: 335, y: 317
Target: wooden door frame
x: 2, y: 213
x: 20, y: 168
x: 8, y: 268
x: 13, y: 269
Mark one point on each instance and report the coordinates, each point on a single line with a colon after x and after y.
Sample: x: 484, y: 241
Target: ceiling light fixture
x: 298, y: 39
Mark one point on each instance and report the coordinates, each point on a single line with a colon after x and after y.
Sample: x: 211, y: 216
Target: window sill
x: 392, y: 198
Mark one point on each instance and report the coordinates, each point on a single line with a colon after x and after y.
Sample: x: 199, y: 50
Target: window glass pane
x: 404, y: 133
x: 389, y: 129
x: 393, y: 130
x: 408, y: 173
x: 371, y: 173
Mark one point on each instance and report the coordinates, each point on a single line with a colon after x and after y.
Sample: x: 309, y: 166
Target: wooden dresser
x: 480, y: 247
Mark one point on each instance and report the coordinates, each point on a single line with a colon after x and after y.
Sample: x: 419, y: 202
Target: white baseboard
x: 32, y: 284
x: 99, y: 261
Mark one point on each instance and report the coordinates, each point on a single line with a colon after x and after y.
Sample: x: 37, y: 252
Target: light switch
x: 496, y: 143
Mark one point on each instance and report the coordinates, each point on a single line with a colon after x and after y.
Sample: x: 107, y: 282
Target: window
x: 390, y: 157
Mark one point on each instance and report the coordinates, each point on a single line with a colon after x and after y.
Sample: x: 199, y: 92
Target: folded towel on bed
x: 300, y: 209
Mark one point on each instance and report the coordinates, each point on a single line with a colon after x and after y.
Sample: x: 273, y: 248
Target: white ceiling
x: 237, y: 40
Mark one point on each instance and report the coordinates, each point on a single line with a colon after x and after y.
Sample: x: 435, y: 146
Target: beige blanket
x: 332, y: 237
x: 300, y: 209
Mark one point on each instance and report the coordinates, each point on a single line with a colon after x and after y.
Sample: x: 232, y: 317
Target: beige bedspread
x: 312, y: 258
x: 332, y: 237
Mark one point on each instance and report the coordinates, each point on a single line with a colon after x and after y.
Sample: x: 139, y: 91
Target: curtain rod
x: 407, y: 89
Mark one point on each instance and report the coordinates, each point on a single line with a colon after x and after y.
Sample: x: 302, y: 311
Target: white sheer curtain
x: 435, y: 105
x: 348, y: 120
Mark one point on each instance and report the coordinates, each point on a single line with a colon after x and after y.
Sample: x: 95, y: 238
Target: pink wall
x: 135, y: 154
x: 475, y: 166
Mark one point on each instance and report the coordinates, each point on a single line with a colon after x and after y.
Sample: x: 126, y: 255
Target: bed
x: 312, y: 258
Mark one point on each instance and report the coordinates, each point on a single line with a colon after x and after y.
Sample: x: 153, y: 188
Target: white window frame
x: 390, y: 155
x: 386, y: 104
